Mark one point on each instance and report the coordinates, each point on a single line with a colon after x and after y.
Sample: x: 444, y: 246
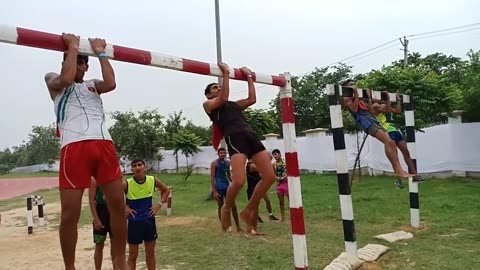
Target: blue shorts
x: 142, y: 230
x: 395, y: 136
x: 222, y: 193
x: 368, y: 123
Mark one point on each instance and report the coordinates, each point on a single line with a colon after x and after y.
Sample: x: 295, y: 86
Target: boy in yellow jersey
x: 141, y: 213
x: 379, y: 110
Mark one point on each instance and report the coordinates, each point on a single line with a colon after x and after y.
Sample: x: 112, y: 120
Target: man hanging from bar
x: 380, y: 110
x: 229, y: 122
x: 369, y: 123
x: 87, y: 149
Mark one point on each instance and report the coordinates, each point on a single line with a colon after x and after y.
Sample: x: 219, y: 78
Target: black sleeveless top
x: 230, y: 119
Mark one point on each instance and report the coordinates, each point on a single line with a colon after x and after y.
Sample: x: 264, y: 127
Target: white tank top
x: 80, y: 114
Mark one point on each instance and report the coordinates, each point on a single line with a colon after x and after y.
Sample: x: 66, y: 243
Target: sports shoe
x: 272, y: 217
x: 399, y: 184
x: 260, y: 220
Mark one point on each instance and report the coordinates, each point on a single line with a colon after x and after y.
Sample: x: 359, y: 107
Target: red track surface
x: 21, y: 186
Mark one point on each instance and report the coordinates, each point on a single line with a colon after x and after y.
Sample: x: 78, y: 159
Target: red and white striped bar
x: 49, y: 41
x: 293, y: 174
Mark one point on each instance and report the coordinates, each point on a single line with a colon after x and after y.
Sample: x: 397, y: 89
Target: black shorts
x: 245, y: 143
x: 222, y: 193
x: 142, y: 230
x: 251, y: 184
x: 99, y: 236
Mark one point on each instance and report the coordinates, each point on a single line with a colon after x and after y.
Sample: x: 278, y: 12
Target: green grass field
x: 449, y: 237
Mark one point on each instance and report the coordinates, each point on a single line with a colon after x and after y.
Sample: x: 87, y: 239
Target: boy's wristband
x: 100, y: 55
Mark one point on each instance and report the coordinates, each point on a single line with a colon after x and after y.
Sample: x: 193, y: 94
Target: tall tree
x: 204, y: 133
x: 262, y: 121
x: 137, y: 135
x: 43, y: 145
x: 427, y: 88
x: 310, y: 100
x: 471, y: 93
x: 173, y: 125
x: 187, y: 144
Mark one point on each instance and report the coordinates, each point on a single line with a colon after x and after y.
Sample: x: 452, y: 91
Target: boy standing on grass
x: 282, y: 182
x: 141, y: 212
x: 220, y: 180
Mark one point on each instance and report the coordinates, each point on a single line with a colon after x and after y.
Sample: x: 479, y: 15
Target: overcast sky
x: 269, y: 36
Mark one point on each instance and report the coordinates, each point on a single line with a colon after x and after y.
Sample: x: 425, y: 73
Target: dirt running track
x: 10, y: 188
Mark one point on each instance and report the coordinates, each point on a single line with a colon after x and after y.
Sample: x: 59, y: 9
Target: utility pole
x: 219, y: 48
x: 218, y: 35
x: 405, y: 51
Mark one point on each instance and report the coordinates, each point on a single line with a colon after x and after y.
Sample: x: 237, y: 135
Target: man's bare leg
x: 219, y: 211
x: 114, y: 196
x: 71, y: 204
x: 264, y: 167
x: 98, y: 255
x: 406, y: 156
x: 150, y: 255
x: 235, y: 218
x: 237, y: 163
x: 392, y: 154
x: 281, y: 201
x: 132, y: 256
x: 268, y: 204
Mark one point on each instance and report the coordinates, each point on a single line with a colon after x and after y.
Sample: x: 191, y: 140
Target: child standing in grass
x: 282, y: 182
x: 141, y: 212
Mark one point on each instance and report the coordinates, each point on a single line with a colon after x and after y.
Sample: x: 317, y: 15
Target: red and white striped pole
x: 48, y: 41
x: 293, y: 174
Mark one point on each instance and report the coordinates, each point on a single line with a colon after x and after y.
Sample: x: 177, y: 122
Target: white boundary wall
x: 453, y: 148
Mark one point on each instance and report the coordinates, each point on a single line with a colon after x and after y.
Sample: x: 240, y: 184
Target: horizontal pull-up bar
x: 346, y: 91
x: 48, y: 41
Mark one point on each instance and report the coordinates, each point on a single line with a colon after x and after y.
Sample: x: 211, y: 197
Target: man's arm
x: 165, y: 191
x: 229, y: 173
x: 370, y: 102
x: 56, y: 82
x: 214, y: 103
x: 398, y: 107
x: 252, y: 97
x: 354, y: 105
x: 91, y: 199
x: 213, y: 168
x: 108, y: 84
x: 253, y: 168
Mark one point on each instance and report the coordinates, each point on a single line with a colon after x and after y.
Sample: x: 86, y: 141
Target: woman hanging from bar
x: 242, y: 142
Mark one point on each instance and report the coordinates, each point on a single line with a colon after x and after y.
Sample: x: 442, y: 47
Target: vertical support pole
x: 29, y: 215
x: 293, y: 174
x: 412, y: 186
x: 169, y: 203
x: 41, y: 219
x: 344, y: 189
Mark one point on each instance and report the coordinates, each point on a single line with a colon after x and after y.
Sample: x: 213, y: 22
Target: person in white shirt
x: 87, y: 149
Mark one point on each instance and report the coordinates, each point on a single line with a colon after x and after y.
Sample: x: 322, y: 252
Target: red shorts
x: 79, y: 161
